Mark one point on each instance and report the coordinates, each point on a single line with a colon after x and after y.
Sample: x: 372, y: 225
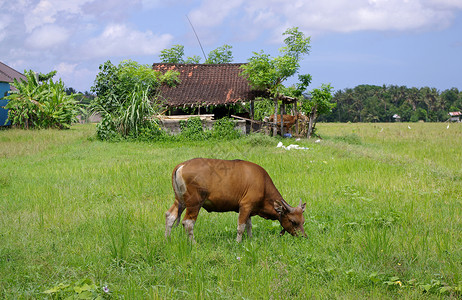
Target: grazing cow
x: 229, y: 185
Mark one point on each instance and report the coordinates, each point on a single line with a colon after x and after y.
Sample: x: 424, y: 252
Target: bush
x: 106, y: 129
x: 192, y: 130
x: 224, y: 129
x: 151, y: 131
x: 41, y: 103
x: 126, y: 98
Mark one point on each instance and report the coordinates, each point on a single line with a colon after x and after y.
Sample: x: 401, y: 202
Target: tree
x: 173, y: 55
x: 126, y: 98
x: 319, y: 102
x: 40, y: 102
x: 221, y: 55
x: 266, y: 73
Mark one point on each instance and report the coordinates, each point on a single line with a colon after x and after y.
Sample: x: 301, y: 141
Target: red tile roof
x: 8, y: 74
x: 206, y: 84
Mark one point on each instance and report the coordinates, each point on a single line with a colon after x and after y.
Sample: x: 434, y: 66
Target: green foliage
x: 297, y: 44
x: 40, y: 102
x: 195, y: 59
x: 136, y: 113
x: 223, y: 129
x: 264, y: 72
x: 319, y: 102
x: 260, y: 71
x: 370, y: 103
x: 173, y: 55
x: 221, y: 55
x: 106, y: 129
x: 130, y: 118
x: 127, y: 100
x: 192, y: 130
x: 107, y: 87
x: 263, y: 108
x: 81, y: 289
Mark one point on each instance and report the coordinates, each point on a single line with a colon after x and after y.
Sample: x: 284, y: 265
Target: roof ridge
x: 10, y: 73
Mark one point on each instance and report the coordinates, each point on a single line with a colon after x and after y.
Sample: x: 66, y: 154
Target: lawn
x: 85, y: 218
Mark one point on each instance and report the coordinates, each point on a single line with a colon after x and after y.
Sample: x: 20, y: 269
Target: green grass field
x: 84, y: 218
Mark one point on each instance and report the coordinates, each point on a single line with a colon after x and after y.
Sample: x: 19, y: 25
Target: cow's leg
x: 173, y: 216
x: 170, y: 216
x: 248, y: 227
x: 189, y: 220
x: 244, y: 219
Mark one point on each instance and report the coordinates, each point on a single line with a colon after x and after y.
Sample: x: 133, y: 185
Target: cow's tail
x: 179, y: 187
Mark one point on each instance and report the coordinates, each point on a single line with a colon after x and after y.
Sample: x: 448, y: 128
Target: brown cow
x: 288, y: 120
x: 229, y: 185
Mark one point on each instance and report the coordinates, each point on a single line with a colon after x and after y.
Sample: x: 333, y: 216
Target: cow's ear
x: 302, y: 206
x: 280, y: 209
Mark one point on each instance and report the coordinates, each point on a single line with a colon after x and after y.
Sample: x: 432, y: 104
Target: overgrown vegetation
x: 127, y: 99
x: 84, y: 218
x: 39, y: 102
x: 192, y: 130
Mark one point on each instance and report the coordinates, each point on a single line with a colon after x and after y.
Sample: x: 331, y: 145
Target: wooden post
x: 283, y: 110
x: 252, y: 114
x: 296, y: 117
x: 275, y: 120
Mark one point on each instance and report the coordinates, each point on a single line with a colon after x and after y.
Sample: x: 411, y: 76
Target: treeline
x: 370, y: 103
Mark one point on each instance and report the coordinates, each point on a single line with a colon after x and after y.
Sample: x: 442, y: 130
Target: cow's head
x: 291, y: 218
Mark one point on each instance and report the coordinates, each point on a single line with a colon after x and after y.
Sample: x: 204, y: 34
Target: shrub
x: 192, y: 130
x: 224, y: 129
x: 41, y: 103
x: 126, y: 98
x: 106, y: 129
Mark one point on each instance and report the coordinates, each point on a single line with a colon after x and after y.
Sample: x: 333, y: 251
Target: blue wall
x: 4, y: 88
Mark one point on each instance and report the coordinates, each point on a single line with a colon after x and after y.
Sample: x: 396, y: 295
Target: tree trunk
x: 275, y: 119
x: 283, y: 111
x: 296, y: 115
x: 252, y: 114
x: 311, y: 122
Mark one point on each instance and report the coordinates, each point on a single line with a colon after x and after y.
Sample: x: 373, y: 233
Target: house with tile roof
x: 206, y: 84
x: 455, y: 116
x: 7, y: 76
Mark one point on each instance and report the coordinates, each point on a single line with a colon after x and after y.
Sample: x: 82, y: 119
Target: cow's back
x: 223, y: 184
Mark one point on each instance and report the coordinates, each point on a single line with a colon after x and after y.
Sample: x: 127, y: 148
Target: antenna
x: 205, y: 57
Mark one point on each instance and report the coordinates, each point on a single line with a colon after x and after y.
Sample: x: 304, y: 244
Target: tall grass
x: 383, y: 217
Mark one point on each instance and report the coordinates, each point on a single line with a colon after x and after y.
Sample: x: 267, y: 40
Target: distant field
x: 86, y: 218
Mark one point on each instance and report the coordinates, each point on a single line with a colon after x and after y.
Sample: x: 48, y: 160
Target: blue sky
x: 400, y: 42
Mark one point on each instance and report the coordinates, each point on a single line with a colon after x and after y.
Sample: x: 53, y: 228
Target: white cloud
x: 47, y: 36
x: 212, y: 12
x: 4, y: 22
x: 321, y: 16
x: 51, y: 11
x: 65, y: 68
x: 119, y: 40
